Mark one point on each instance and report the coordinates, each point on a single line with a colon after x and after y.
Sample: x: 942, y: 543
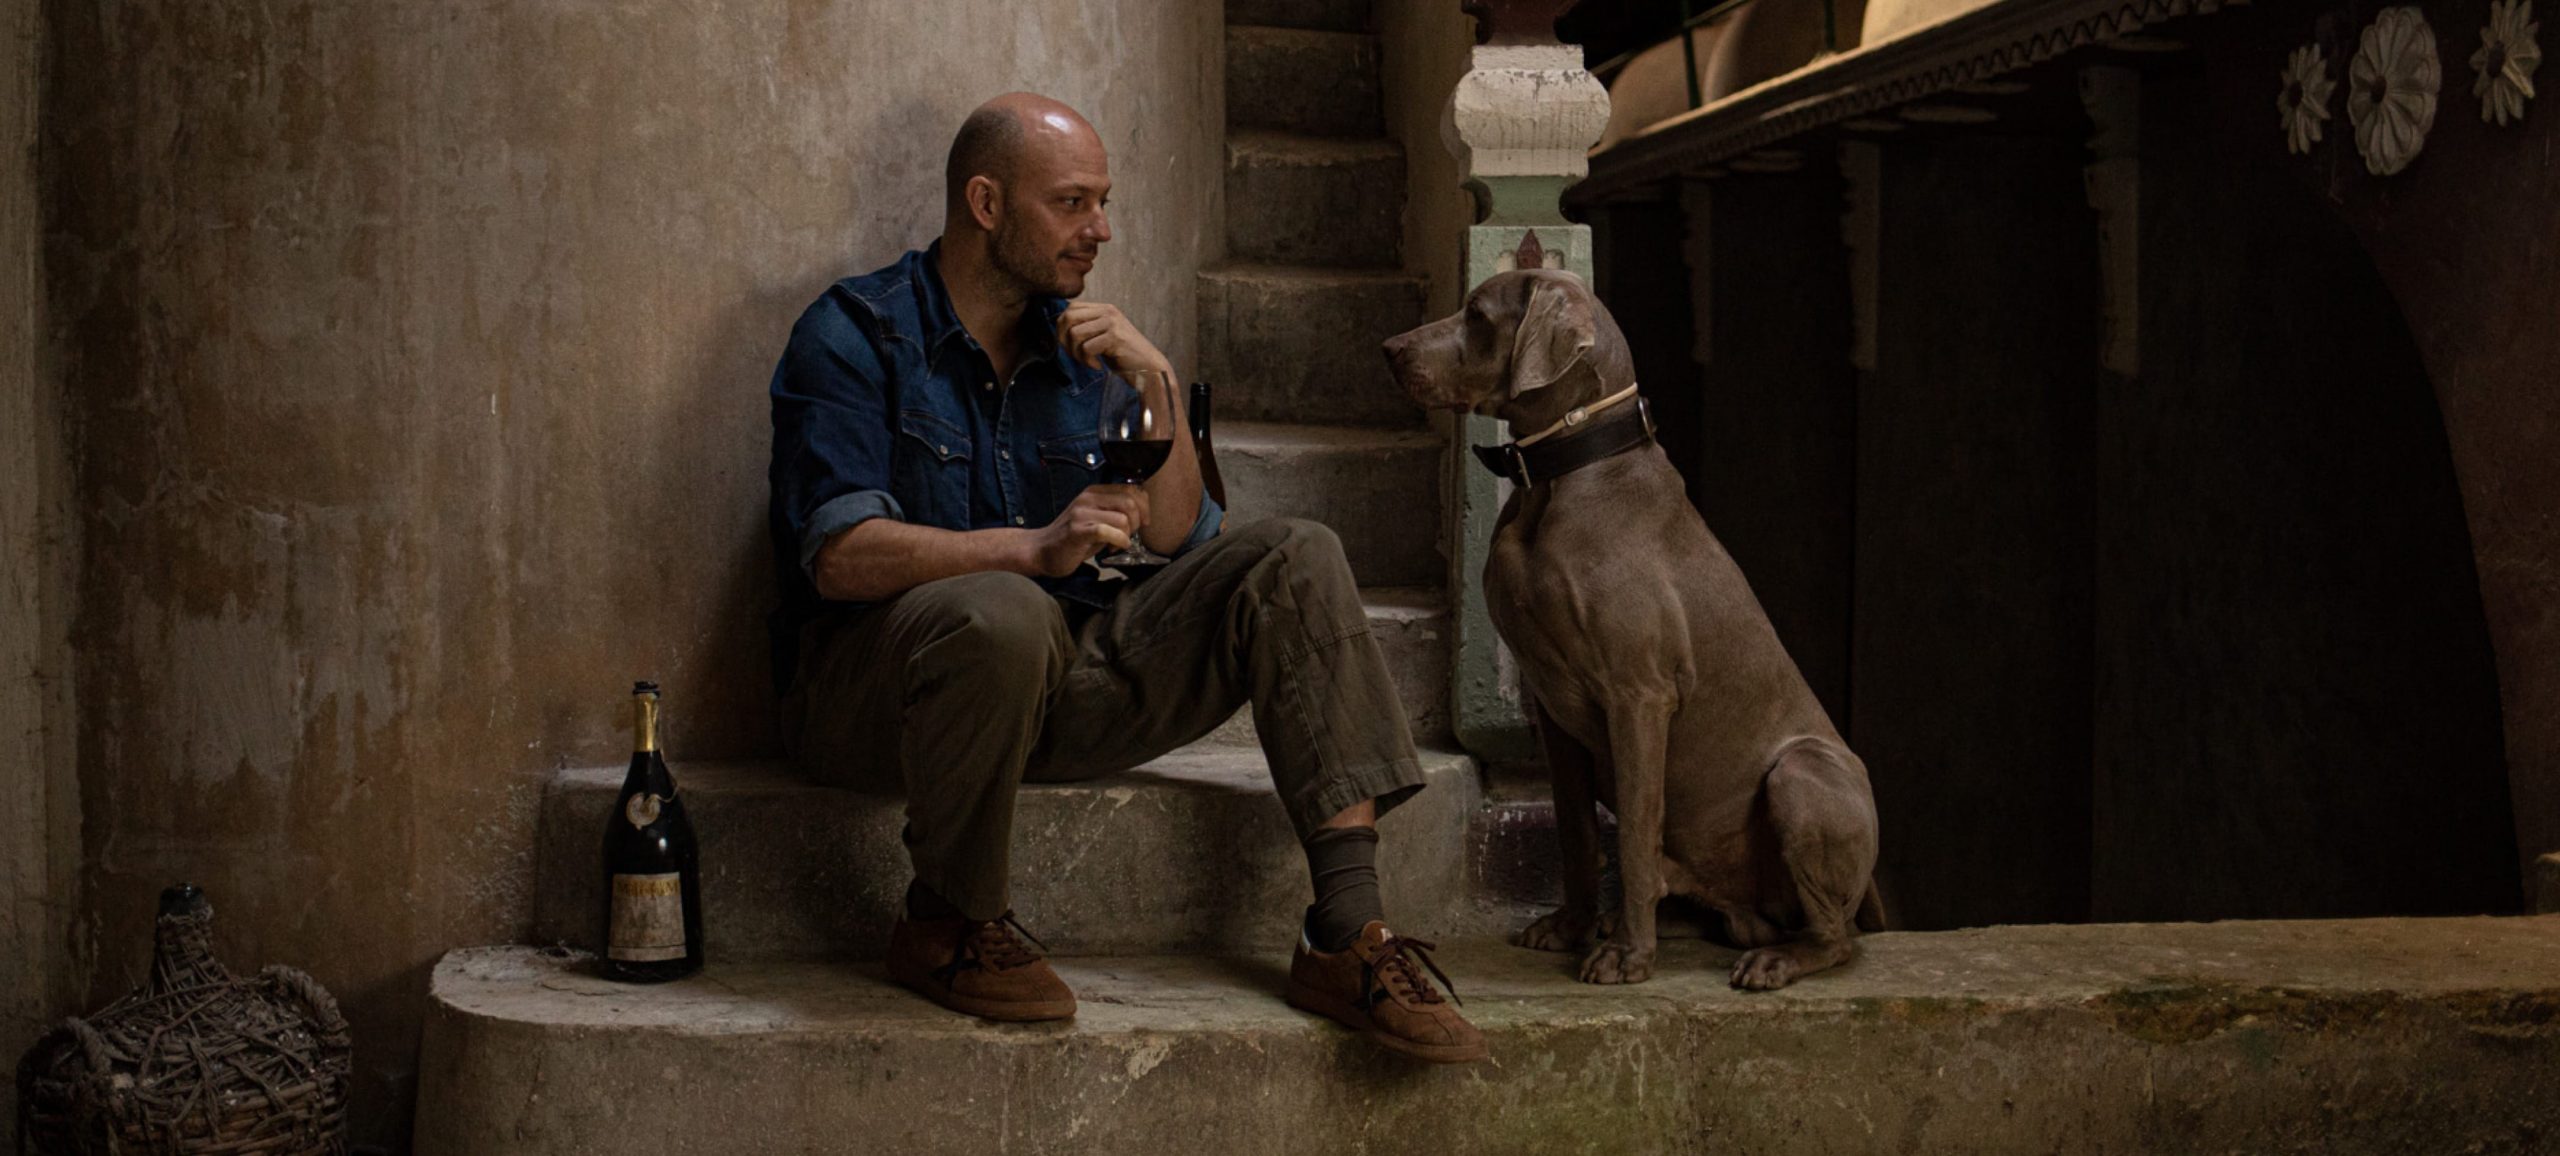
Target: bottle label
x: 642, y: 808
x: 648, y: 918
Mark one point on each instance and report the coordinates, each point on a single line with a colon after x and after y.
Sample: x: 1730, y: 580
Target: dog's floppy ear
x: 1554, y: 333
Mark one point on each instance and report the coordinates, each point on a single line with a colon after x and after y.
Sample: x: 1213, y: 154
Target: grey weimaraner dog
x: 1659, y: 685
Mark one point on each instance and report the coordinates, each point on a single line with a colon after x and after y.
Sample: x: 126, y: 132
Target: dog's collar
x: 1573, y: 418
x: 1572, y: 443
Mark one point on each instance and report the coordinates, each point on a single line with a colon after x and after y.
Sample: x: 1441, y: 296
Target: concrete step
x: 1338, y: 15
x: 2372, y: 1036
x: 1378, y: 489
x: 1303, y: 81
x: 1191, y: 852
x: 1513, y: 857
x: 1297, y: 200
x: 1412, y: 628
x: 1294, y: 344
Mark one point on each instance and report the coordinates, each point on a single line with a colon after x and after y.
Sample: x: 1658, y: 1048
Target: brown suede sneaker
x: 980, y: 969
x: 1373, y: 987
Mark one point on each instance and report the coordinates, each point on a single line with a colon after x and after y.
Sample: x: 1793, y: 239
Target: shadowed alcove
x: 2135, y: 566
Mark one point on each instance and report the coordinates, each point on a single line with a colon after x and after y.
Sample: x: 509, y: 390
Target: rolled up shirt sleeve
x: 839, y: 515
x: 830, y: 430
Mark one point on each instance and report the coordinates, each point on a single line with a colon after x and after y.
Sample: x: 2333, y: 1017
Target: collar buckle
x: 1504, y: 461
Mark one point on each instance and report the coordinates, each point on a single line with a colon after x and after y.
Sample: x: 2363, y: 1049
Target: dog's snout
x: 1407, y: 368
x: 1401, y: 361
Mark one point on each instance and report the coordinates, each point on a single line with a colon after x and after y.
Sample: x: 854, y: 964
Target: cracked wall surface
x: 38, y: 817
x: 417, y: 355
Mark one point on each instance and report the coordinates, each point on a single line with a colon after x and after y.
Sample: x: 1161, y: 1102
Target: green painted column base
x: 1484, y: 693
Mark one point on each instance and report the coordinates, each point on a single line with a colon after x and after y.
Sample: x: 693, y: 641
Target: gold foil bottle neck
x: 644, y: 720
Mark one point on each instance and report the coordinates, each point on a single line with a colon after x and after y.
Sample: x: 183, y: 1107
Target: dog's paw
x: 1766, y: 969
x: 1559, y: 930
x: 1617, y: 963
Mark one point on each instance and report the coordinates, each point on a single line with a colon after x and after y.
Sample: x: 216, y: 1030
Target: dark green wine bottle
x: 652, y: 874
x: 1199, y: 414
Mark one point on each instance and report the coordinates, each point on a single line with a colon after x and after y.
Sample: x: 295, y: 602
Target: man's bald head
x: 1024, y: 193
x: 998, y: 137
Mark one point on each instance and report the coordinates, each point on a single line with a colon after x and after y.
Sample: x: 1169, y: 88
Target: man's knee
x: 1306, y: 544
x: 1001, y: 623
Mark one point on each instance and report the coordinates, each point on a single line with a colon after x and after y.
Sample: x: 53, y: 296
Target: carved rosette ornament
x: 2391, y: 89
x: 2303, y: 106
x: 2505, y: 62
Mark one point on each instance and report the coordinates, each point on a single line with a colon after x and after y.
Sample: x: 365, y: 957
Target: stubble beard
x: 1027, y: 266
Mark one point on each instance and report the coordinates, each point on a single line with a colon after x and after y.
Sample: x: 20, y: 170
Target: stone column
x: 1519, y: 122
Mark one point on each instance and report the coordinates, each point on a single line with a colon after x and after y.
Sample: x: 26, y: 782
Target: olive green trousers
x: 958, y: 691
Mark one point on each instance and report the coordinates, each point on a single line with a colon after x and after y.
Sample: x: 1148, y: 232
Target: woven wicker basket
x: 198, y: 1062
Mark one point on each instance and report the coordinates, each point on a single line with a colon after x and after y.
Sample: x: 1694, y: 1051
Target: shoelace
x: 1391, y: 970
x: 995, y: 946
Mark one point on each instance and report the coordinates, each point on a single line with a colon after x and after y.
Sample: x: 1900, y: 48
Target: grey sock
x: 1344, y: 863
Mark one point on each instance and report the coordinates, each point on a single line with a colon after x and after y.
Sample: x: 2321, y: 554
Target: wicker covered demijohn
x: 198, y: 1062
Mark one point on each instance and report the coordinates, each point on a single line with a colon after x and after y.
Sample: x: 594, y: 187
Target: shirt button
x: 989, y: 385
x: 1005, y: 454
x: 1017, y: 519
x: 942, y: 449
x: 1088, y: 459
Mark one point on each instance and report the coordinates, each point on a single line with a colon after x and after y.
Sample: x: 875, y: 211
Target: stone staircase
x: 2366, y: 1036
x: 1310, y: 424
x: 1190, y: 853
x: 1170, y: 893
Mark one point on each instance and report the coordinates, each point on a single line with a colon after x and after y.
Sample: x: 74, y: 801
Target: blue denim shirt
x: 885, y: 407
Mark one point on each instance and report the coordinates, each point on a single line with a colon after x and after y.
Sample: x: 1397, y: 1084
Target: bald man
x: 944, y: 630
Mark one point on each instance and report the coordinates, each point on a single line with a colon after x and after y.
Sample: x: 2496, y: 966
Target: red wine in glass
x: 1132, y: 463
x: 1138, y: 424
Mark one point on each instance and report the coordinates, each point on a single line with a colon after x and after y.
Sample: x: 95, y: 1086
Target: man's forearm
x: 883, y: 558
x: 1173, y: 495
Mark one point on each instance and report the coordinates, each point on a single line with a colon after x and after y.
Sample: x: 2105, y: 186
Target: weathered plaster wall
x: 1425, y: 46
x: 418, y: 355
x: 38, y: 821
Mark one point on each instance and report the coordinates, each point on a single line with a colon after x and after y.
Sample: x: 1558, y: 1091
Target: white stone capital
x: 1525, y: 110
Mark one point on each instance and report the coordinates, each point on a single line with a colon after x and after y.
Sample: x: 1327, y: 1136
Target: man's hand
x: 1100, y: 517
x: 1090, y: 331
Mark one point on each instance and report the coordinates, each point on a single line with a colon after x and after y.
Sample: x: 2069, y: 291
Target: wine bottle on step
x: 1199, y: 414
x: 653, y: 877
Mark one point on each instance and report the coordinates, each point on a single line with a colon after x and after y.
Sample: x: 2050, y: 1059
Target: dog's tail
x: 1870, y: 915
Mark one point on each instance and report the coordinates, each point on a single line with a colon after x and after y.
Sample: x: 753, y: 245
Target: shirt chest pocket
x: 1069, y: 463
x: 933, y: 470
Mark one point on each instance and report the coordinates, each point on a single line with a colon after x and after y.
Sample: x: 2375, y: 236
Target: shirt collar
x: 942, y: 322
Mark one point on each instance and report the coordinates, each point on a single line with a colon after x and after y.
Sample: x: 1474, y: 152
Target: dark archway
x: 2298, y: 703
x: 2205, y: 641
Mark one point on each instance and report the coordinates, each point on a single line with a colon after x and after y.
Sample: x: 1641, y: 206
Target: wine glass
x: 1138, y: 425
